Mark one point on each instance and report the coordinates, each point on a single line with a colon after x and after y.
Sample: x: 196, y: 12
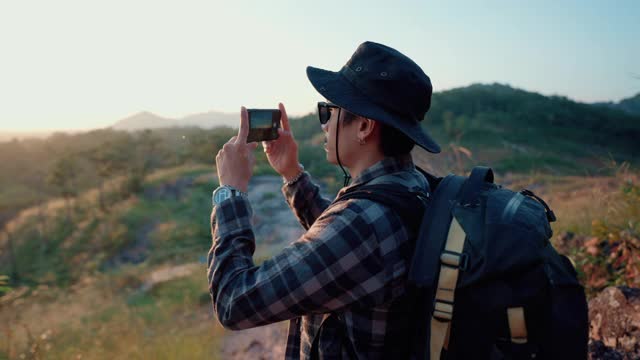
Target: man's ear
x: 367, y: 127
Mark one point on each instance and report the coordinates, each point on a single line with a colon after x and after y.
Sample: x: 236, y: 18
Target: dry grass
x: 102, y: 318
x: 171, y: 173
x: 46, y: 211
x: 88, y: 200
x: 207, y: 179
x: 576, y: 201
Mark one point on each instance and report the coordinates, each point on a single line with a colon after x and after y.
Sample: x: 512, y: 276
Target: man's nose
x: 325, y: 127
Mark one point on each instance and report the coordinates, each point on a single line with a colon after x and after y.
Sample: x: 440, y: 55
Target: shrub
x: 611, y: 256
x: 4, y: 284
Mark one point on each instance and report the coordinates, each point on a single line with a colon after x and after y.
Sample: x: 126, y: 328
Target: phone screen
x: 263, y: 124
x: 262, y: 120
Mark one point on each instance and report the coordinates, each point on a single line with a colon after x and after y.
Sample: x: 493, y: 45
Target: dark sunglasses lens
x: 323, y: 113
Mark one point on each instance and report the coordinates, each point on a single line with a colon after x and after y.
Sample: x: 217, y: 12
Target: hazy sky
x: 83, y: 64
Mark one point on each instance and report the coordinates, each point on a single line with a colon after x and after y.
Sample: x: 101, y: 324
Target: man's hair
x: 392, y: 141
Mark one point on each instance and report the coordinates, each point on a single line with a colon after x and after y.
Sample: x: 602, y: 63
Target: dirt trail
x: 273, y: 222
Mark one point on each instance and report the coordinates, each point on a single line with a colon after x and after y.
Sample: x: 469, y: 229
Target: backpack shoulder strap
x: 473, y: 186
x: 433, y: 180
x: 424, y: 271
x: 408, y: 204
x: 433, y: 231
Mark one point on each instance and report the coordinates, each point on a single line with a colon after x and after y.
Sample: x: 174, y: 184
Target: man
x: 343, y: 284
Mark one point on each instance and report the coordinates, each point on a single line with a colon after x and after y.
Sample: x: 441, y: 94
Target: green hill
x: 516, y: 130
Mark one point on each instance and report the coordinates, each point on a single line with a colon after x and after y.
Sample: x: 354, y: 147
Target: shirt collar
x: 388, y: 165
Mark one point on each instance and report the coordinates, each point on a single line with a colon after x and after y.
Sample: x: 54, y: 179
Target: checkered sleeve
x: 336, y: 263
x: 305, y: 201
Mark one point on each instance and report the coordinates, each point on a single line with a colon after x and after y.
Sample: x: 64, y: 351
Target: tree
x: 4, y: 284
x: 148, y: 147
x: 13, y: 271
x: 62, y: 176
x: 108, y: 161
x: 145, y: 157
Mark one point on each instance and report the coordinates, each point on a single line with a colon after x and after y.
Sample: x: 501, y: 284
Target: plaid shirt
x: 352, y: 263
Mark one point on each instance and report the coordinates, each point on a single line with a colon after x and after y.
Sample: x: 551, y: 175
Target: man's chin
x: 331, y: 160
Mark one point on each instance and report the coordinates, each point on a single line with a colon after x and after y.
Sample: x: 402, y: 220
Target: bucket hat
x: 380, y: 83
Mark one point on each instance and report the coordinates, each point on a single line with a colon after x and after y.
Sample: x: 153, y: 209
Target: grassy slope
x: 77, y: 306
x: 105, y: 317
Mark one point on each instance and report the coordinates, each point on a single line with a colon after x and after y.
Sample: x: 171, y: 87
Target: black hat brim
x: 337, y: 89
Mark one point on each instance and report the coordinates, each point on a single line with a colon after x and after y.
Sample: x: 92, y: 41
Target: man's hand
x: 235, y: 160
x: 282, y: 152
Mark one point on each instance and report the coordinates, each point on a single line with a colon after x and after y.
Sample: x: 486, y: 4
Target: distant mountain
x: 142, y: 120
x: 630, y: 105
x: 147, y: 120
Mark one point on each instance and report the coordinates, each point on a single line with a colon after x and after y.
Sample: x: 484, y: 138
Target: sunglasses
x: 324, y: 111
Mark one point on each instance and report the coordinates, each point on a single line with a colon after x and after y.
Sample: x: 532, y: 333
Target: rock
x: 614, y: 317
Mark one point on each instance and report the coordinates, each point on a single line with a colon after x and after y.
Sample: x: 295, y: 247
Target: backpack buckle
x: 454, y: 259
x: 443, y: 310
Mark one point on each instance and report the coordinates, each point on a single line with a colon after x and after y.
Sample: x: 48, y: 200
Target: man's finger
x: 243, y: 132
x: 283, y: 117
x: 283, y: 132
x: 233, y: 139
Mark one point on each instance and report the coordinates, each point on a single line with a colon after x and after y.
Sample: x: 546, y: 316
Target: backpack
x: 492, y: 284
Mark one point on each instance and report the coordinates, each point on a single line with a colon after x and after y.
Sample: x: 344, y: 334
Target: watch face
x: 221, y: 194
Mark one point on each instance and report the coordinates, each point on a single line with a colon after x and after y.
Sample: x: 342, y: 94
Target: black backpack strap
x: 551, y: 217
x: 433, y: 232
x: 433, y: 181
x: 479, y: 176
x: 424, y: 269
x: 335, y: 321
x: 409, y: 205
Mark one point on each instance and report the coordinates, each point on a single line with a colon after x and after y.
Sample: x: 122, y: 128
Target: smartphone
x: 263, y: 124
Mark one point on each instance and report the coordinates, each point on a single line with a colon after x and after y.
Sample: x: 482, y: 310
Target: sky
x: 86, y: 64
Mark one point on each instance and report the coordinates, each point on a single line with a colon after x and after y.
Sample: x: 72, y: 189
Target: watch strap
x: 237, y: 192
x: 232, y: 191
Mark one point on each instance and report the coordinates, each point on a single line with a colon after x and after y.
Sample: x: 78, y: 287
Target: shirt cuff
x: 289, y: 191
x: 232, y: 215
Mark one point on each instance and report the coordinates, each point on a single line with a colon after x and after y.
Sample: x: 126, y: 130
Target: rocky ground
x: 614, y: 316
x: 273, y: 222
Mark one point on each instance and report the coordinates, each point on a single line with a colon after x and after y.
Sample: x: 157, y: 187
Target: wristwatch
x: 224, y: 192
